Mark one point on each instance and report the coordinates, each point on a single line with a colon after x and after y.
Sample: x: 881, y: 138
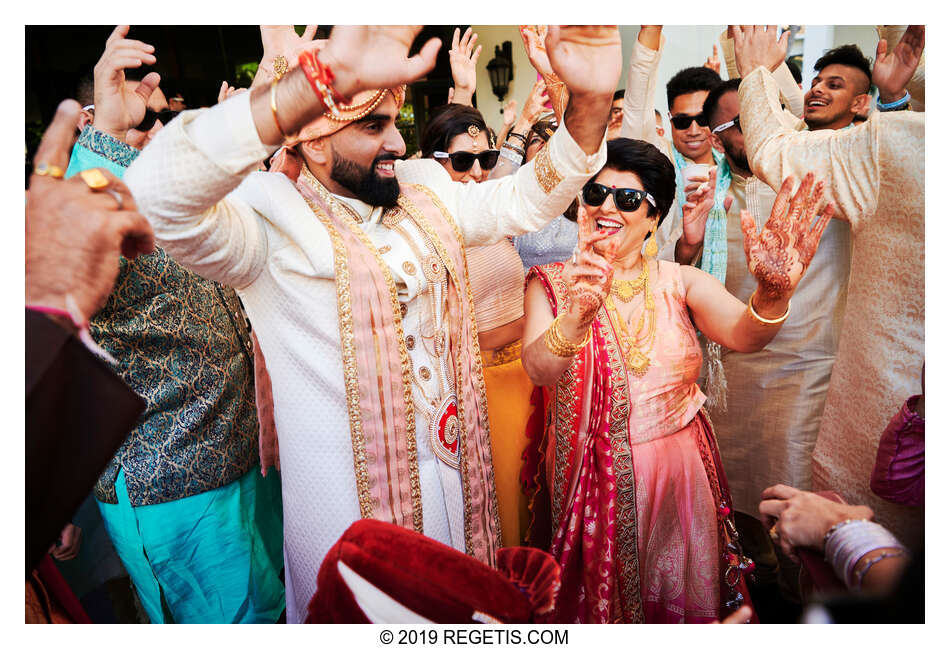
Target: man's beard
x: 739, y: 158
x: 366, y: 184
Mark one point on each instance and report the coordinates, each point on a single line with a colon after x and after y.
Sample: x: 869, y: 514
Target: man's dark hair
x: 445, y: 123
x: 652, y: 167
x: 712, y: 99
x: 690, y: 80
x: 794, y: 68
x: 619, y: 94
x: 86, y: 89
x: 850, y: 55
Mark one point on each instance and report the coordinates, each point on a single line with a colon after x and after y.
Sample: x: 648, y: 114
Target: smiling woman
x: 629, y: 453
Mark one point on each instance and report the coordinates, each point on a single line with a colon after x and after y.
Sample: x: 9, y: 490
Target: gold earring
x: 652, y: 248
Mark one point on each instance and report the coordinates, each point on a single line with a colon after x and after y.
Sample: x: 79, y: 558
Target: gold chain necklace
x: 626, y: 289
x: 636, y: 353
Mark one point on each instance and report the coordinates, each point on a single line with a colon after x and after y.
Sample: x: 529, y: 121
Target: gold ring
x: 45, y: 169
x: 94, y: 178
x: 280, y: 66
x: 774, y: 535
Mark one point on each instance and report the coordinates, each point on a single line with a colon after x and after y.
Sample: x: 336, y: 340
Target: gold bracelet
x: 766, y: 321
x: 560, y: 346
x: 273, y: 107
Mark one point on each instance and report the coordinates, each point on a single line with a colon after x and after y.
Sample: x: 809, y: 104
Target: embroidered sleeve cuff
x: 227, y: 135
x: 562, y: 157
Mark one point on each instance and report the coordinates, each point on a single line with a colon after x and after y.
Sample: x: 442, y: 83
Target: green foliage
x: 244, y: 74
x: 406, y: 123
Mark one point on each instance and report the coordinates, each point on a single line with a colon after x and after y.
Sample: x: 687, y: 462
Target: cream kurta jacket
x: 196, y: 184
x: 875, y: 175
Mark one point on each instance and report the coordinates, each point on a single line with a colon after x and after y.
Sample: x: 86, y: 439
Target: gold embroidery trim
x: 482, y: 396
x: 345, y: 314
x: 544, y: 170
x: 352, y: 383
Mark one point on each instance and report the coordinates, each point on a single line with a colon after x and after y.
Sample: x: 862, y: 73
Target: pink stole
x: 377, y: 371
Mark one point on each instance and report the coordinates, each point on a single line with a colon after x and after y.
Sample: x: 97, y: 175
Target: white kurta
x: 253, y: 231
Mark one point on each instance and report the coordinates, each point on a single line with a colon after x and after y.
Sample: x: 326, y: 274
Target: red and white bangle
x: 321, y: 79
x: 71, y: 313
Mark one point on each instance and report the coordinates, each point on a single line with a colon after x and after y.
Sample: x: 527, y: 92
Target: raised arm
x: 588, y: 276
x: 778, y: 258
x: 463, y: 57
x: 588, y: 60
x: 639, y: 120
x: 183, y: 177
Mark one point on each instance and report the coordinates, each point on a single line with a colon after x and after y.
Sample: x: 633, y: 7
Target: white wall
x: 686, y: 45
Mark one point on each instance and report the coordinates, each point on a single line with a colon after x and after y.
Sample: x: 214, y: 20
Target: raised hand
x: 779, y: 255
x: 281, y: 40
x: 893, y: 71
x: 74, y: 234
x: 117, y: 107
x: 533, y: 38
x: 757, y: 45
x: 509, y: 113
x: 463, y: 56
x: 367, y: 57
x: 700, y: 200
x: 588, y: 273
x: 712, y: 62
x: 588, y: 59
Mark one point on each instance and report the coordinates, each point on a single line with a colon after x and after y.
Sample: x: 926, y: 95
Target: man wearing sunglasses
x: 356, y: 280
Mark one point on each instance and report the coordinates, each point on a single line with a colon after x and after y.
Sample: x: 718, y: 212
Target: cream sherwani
x: 255, y: 232
x: 776, y: 396
x: 875, y: 174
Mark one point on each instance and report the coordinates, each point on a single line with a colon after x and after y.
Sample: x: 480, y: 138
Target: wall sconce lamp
x: 501, y: 70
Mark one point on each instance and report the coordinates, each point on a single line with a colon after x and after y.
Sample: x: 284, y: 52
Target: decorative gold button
x: 409, y: 267
x: 425, y: 373
x: 403, y: 309
x: 410, y: 342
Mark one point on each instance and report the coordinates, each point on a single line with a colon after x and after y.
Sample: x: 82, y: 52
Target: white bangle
x: 847, y: 542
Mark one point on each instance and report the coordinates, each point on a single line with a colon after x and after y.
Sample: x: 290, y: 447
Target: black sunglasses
x: 682, y: 122
x: 463, y: 160
x: 152, y: 116
x: 625, y: 198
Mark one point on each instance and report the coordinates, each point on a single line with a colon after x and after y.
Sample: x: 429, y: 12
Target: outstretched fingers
x: 749, y: 234
x: 780, y: 206
x: 814, y: 235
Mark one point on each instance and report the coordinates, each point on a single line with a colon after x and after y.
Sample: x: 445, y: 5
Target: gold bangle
x: 766, y: 321
x: 273, y: 107
x: 560, y: 346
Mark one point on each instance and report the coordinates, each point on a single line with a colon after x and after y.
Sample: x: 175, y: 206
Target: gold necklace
x: 636, y: 353
x: 626, y: 289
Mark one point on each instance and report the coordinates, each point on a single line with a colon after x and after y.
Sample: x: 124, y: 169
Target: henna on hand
x: 780, y: 255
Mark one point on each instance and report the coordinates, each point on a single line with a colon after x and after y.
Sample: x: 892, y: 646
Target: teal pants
x: 214, y: 557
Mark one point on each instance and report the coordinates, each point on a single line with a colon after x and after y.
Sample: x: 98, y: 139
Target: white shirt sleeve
x: 183, y: 182
x: 523, y: 202
x: 639, y: 117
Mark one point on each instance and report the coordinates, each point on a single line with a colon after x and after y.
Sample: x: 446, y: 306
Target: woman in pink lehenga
x: 640, y: 509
